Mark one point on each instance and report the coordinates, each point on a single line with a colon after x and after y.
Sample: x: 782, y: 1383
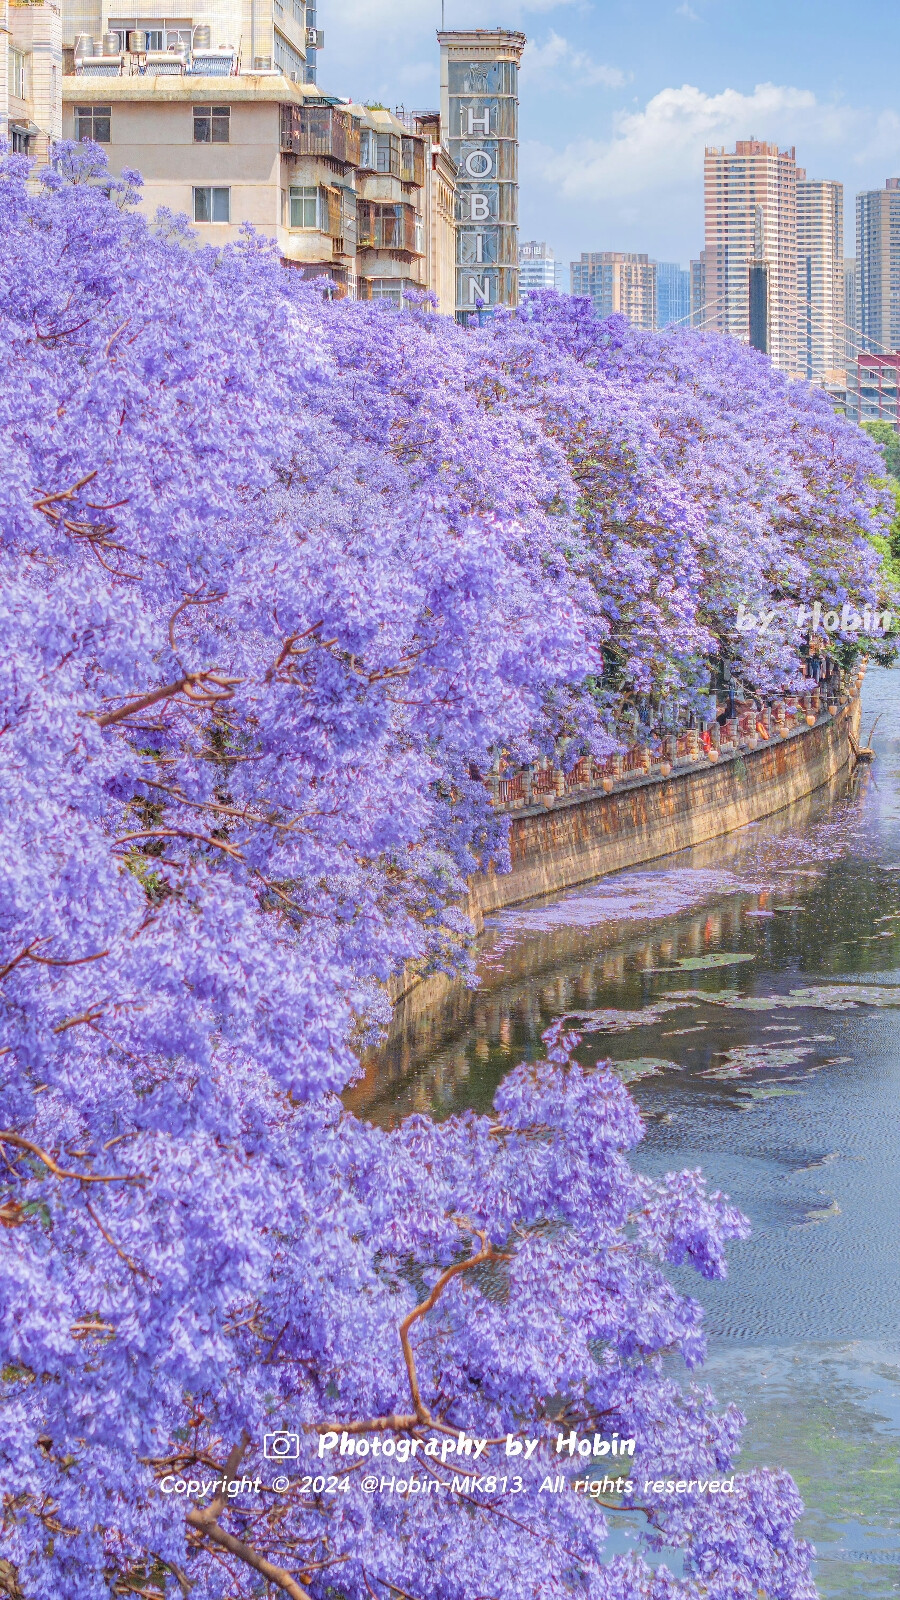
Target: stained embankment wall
x: 587, y: 834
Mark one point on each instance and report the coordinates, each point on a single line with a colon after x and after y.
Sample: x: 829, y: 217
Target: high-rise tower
x: 480, y: 114
x: 878, y: 258
x: 754, y: 176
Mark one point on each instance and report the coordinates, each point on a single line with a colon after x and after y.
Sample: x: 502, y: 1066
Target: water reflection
x: 750, y: 993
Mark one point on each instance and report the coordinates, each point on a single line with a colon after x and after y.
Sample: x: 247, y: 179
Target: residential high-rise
x: 878, y: 256
x: 617, y: 280
x: 820, y: 285
x: 537, y: 267
x: 480, y: 113
x: 30, y: 76
x: 755, y: 176
x: 673, y: 294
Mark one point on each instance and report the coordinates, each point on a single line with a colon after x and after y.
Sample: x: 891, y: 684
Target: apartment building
x: 265, y: 36
x: 440, y: 211
x: 755, y: 179
x: 878, y: 258
x: 480, y: 114
x: 343, y: 190
x: 30, y: 76
x: 618, y: 281
x: 821, y: 340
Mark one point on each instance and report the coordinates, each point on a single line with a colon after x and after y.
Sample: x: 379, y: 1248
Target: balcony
x: 388, y: 227
x: 320, y: 131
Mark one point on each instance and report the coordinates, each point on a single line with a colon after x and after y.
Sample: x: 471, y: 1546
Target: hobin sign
x: 479, y: 115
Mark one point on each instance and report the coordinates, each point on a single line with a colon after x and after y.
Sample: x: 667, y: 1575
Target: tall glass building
x: 480, y: 118
x: 673, y: 294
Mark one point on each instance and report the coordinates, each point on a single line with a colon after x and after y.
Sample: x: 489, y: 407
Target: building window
x: 18, y: 74
x: 388, y: 289
x: 305, y: 207
x: 212, y: 205
x: 92, y: 122
x: 212, y: 124
x: 288, y: 60
x: 19, y: 141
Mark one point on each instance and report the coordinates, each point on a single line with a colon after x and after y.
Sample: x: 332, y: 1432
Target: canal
x: 749, y: 992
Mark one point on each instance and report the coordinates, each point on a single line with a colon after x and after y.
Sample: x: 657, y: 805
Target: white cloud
x: 685, y: 10
x: 558, y: 62
x: 661, y: 146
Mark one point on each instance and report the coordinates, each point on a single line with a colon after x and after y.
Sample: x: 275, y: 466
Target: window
x: 305, y: 207
x: 212, y: 124
x: 18, y: 74
x: 155, y: 39
x: 212, y: 205
x: 92, y: 122
x: 19, y: 141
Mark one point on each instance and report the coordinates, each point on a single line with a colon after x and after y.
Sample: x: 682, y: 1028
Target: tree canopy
x: 279, y: 575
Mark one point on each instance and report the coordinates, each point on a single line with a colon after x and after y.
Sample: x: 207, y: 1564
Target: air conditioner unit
x: 315, y: 38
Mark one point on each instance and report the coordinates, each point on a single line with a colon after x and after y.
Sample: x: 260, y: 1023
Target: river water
x: 749, y: 992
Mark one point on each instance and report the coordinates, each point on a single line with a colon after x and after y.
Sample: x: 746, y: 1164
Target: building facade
x: 618, y: 281
x: 821, y: 341
x: 440, y: 212
x: 31, y: 68
x: 878, y: 258
x: 339, y: 188
x: 851, y: 313
x: 874, y: 393
x: 697, y: 271
x: 538, y: 268
x: 265, y: 36
x: 754, y: 177
x: 673, y: 294
x: 479, y: 114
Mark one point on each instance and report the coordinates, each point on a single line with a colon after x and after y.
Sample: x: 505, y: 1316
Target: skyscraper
x: 479, y: 112
x: 820, y: 286
x: 673, y: 294
x: 617, y: 280
x: 756, y: 176
x: 878, y: 257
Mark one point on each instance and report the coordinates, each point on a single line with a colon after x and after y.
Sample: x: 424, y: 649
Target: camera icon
x: 281, y: 1446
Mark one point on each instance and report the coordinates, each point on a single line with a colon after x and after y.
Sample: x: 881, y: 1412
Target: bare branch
x: 6, y: 1137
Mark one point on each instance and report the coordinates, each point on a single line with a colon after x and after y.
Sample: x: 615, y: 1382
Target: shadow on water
x: 749, y: 992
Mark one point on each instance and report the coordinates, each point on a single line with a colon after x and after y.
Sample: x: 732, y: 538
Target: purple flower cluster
x: 277, y: 578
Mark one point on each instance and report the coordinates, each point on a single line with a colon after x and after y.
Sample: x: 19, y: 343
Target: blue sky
x: 618, y: 99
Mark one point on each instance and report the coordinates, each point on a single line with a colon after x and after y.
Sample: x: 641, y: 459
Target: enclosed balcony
x: 389, y: 227
x: 320, y: 131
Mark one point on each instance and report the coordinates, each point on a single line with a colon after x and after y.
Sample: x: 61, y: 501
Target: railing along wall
x: 544, y: 783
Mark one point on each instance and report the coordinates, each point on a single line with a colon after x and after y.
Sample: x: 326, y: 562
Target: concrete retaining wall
x: 590, y: 833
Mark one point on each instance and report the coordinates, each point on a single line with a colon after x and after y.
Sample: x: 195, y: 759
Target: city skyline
x: 617, y: 106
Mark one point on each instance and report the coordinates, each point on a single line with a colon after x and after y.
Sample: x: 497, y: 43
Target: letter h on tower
x: 476, y: 123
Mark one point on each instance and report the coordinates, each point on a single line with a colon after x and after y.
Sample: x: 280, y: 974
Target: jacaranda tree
x: 278, y: 576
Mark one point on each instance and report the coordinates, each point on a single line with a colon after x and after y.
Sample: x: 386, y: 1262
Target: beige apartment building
x: 30, y: 75
x: 440, y: 212
x: 618, y: 281
x: 752, y: 187
x: 342, y: 190
x: 821, y: 339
